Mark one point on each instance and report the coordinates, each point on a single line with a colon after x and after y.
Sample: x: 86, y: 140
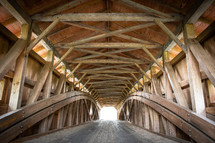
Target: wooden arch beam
x: 27, y: 116
x: 183, y: 118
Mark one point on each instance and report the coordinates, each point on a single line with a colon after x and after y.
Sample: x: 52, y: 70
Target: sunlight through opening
x: 108, y: 113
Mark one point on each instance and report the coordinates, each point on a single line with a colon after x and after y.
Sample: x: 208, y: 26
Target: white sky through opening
x: 108, y: 113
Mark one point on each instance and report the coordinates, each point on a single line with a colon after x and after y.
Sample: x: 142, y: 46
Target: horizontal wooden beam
x: 107, y: 81
x: 108, y: 84
x: 103, y: 68
x: 101, y: 61
x: 113, y: 45
x: 109, y: 97
x: 103, y: 17
x: 110, y: 75
x: 106, y: 78
x: 116, y: 93
x: 112, y: 71
x: 109, y: 89
x: 108, y: 92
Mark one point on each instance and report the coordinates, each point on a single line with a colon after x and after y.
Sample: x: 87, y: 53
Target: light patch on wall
x: 108, y: 113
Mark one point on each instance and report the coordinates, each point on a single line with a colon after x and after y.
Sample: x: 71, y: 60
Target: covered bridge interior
x: 62, y: 61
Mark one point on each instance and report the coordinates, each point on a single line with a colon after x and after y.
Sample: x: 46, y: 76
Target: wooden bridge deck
x: 102, y: 132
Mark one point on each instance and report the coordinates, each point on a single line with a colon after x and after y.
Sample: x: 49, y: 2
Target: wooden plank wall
x: 180, y: 68
x: 33, y: 70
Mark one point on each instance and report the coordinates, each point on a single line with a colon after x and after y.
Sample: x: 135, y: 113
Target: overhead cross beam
x: 103, y: 17
x: 127, y: 37
x: 111, y: 76
x: 112, y: 52
x: 107, y: 81
x: 104, y: 61
x: 104, y: 67
x: 112, y: 71
x: 120, y: 31
x: 112, y: 45
x: 72, y: 44
x: 112, y: 56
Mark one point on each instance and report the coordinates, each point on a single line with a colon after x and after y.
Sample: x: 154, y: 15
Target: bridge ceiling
x: 109, y: 74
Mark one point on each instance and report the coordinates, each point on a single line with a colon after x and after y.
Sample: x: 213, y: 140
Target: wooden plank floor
x: 102, y: 132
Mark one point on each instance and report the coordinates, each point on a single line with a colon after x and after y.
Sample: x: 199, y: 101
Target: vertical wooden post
x: 77, y: 112
x: 167, y: 86
x: 20, y: 68
x: 155, y: 82
x: 58, y: 90
x: 66, y: 108
x: 146, y: 119
x: 196, y: 90
x: 47, y: 91
x: 64, y: 83
x: 69, y: 121
x: 140, y: 114
x: 81, y: 112
x: 157, y: 90
x: 151, y: 118
x: 5, y: 94
x: 127, y: 111
x: 170, y: 128
x: 146, y: 86
x: 60, y: 82
x: 60, y: 118
x: 47, y: 87
x: 135, y: 112
x: 50, y: 118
